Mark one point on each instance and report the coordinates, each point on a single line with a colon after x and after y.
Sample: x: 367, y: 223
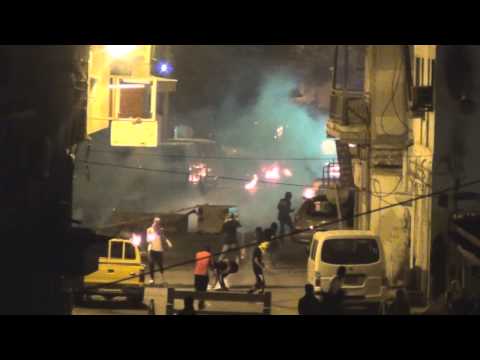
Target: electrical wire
x: 164, y: 171
x: 321, y: 158
x: 394, y: 89
x: 381, y: 195
x: 297, y: 232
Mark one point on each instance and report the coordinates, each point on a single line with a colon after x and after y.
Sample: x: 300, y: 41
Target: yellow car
x: 120, y: 260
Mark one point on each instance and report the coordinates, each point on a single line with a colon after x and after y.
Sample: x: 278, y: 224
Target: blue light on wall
x: 164, y: 68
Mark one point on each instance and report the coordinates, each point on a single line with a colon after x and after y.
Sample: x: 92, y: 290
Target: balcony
x: 349, y: 117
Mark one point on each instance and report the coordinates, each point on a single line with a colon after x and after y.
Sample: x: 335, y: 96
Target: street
x: 286, y: 285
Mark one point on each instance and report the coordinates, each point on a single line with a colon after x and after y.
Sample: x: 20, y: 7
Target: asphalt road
x: 286, y: 282
x: 286, y: 285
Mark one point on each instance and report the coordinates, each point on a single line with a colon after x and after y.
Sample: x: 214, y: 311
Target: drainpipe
x: 368, y: 188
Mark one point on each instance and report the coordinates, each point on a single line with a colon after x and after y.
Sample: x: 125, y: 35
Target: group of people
x: 324, y: 303
x: 331, y: 302
x: 228, y: 263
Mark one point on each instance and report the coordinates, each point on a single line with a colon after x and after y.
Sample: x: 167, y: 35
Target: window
x: 349, y: 68
x: 116, y: 249
x: 129, y: 252
x: 135, y: 100
x: 314, y: 250
x: 350, y: 252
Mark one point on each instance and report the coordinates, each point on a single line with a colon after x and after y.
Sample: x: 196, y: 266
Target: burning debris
x: 197, y: 173
x: 136, y: 240
x: 279, y: 133
x: 309, y: 193
x: 252, y: 185
x: 287, y: 172
x: 271, y: 173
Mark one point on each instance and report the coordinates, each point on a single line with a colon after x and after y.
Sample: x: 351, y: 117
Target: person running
x: 258, y: 268
x: 157, y: 242
x: 229, y: 234
x: 204, y: 262
x: 224, y: 269
x: 284, y: 210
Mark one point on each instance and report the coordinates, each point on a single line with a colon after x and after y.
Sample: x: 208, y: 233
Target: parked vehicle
x: 121, y: 260
x: 315, y: 212
x: 361, y: 252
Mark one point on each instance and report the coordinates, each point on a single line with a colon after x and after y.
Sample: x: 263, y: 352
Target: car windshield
x: 350, y: 252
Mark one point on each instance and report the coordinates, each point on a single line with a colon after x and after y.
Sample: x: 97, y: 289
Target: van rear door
x: 363, y: 259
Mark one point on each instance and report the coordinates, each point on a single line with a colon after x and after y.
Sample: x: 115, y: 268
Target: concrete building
x: 130, y: 93
x: 409, y: 119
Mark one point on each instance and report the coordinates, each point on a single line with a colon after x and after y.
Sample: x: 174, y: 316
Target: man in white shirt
x: 156, y: 244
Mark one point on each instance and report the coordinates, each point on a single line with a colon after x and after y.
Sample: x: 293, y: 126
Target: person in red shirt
x: 204, y: 262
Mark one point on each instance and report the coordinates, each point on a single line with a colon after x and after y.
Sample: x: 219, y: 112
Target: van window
x: 313, y: 253
x: 350, y: 252
x: 129, y: 252
x: 116, y: 249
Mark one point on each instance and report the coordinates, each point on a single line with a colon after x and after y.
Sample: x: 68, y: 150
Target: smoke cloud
x: 240, y: 130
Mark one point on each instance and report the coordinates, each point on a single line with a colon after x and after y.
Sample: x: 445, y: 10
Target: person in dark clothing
x: 284, y: 210
x: 309, y: 304
x: 188, y: 308
x: 223, y: 269
x: 400, y: 305
x: 229, y: 234
x: 336, y: 295
x: 258, y: 267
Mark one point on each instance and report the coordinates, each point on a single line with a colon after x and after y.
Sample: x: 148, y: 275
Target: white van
x: 360, y: 252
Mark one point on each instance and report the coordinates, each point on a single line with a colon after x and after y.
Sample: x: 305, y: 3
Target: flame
x: 198, y: 172
x: 272, y: 173
x: 279, y: 133
x: 136, y: 240
x: 309, y: 193
x: 287, y: 172
x: 252, y: 185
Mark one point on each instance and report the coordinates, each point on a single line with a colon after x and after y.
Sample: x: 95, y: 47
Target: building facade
x: 408, y: 114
